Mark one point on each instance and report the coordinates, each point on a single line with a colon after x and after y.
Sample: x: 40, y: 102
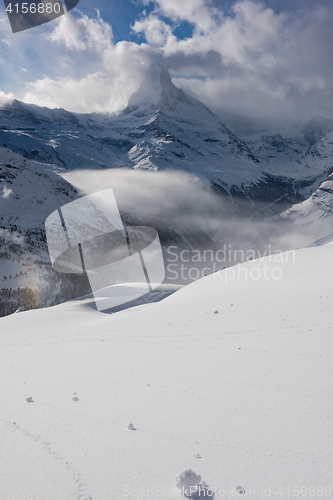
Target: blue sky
x: 257, y: 60
x: 121, y: 14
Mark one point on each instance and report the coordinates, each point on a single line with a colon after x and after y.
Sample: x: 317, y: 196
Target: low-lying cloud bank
x: 183, y: 200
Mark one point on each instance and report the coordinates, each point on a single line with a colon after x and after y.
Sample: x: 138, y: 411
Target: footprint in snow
x: 30, y: 400
x: 192, y: 487
x: 131, y: 427
x: 75, y: 398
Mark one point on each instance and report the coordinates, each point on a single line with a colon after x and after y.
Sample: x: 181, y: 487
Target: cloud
x: 86, y: 95
x: 6, y: 98
x: 82, y: 34
x: 156, y: 193
x: 94, y: 74
x: 249, y: 62
x: 201, y: 13
x: 184, y: 201
x: 255, y: 62
x: 157, y: 32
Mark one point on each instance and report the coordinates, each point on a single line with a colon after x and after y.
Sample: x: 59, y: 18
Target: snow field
x: 248, y: 389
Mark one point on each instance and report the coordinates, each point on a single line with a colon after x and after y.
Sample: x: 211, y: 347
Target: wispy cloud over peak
x: 248, y: 61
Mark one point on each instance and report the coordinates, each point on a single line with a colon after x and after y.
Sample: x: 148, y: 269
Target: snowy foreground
x: 230, y: 377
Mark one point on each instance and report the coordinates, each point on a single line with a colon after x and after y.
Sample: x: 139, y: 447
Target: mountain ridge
x: 162, y: 128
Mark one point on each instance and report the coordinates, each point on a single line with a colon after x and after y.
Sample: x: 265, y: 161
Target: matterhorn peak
x: 156, y: 93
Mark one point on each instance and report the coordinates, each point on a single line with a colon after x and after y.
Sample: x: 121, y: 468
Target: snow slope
x: 230, y: 377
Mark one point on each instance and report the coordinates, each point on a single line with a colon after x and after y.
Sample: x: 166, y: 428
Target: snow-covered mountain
x: 162, y: 128
x: 317, y: 209
x: 30, y: 191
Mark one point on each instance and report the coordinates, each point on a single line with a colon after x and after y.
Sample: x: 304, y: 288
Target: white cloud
x: 5, y: 42
x: 156, y: 31
x: 92, y: 93
x: 181, y: 198
x: 6, y: 98
x: 253, y: 62
x: 93, y: 73
x: 82, y: 34
x: 201, y: 13
x: 256, y: 62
